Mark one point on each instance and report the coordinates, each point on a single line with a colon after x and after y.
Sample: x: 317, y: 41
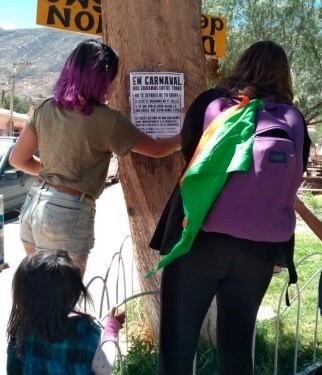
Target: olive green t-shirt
x: 75, y: 149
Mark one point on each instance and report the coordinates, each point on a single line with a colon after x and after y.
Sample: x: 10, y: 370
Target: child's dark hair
x: 46, y: 288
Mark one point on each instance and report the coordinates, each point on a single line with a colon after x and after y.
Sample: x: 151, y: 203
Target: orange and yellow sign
x: 83, y: 16
x: 214, y: 36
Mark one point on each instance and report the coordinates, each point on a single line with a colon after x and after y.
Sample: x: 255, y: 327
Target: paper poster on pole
x: 157, y: 102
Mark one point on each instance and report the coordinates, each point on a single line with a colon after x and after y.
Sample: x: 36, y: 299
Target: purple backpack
x: 258, y: 205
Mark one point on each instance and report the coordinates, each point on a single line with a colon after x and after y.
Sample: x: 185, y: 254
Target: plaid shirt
x: 73, y: 355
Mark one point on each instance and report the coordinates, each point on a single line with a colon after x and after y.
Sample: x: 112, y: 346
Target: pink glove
x: 111, y: 329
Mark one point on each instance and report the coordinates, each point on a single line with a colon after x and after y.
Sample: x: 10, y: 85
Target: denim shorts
x: 51, y: 219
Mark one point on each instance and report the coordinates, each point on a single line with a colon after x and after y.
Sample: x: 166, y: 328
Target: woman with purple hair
x: 76, y: 134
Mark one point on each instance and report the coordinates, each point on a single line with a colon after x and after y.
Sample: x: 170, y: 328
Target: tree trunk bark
x: 152, y: 36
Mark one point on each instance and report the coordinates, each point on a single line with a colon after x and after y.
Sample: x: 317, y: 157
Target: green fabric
x: 228, y: 150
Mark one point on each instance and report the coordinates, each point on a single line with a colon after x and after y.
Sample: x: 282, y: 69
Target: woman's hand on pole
x: 157, y: 148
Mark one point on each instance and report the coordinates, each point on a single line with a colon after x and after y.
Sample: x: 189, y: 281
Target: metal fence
x: 117, y: 288
x: 296, y: 303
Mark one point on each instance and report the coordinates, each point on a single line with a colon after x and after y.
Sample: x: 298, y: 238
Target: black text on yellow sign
x: 214, y: 35
x: 73, y: 15
x: 86, y: 16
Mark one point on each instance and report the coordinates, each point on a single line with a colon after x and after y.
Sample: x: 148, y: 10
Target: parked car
x: 113, y: 172
x: 14, y: 184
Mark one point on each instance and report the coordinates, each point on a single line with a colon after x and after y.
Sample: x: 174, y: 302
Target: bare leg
x: 29, y: 248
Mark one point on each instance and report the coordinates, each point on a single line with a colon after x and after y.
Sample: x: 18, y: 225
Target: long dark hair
x: 46, y: 288
x: 85, y: 77
x: 262, y: 71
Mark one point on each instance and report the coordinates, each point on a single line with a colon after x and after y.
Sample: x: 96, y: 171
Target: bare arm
x: 157, y: 148
x: 104, y: 358
x: 311, y: 220
x: 22, y: 155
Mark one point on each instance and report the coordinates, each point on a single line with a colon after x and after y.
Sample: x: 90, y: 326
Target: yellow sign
x: 83, y: 16
x: 214, y: 36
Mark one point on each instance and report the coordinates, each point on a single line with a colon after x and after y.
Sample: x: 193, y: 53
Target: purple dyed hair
x: 85, y: 77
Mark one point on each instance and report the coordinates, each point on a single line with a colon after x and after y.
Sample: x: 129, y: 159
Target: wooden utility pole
x: 152, y: 36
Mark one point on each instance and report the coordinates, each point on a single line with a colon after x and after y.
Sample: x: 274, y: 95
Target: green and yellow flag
x: 225, y: 146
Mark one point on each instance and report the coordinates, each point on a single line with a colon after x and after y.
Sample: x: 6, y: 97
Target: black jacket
x: 169, y: 228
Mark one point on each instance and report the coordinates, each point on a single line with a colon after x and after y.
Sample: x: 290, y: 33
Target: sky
x: 18, y: 14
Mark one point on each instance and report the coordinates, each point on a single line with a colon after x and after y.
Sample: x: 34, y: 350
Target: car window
x: 7, y: 166
x: 3, y: 150
x: 5, y: 144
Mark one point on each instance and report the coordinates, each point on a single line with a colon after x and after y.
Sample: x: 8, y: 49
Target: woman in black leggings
x: 238, y: 276
x: 233, y: 255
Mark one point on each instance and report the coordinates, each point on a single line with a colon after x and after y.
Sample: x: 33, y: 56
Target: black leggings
x: 238, y: 272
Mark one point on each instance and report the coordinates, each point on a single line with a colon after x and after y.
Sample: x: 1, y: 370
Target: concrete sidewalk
x: 111, y: 227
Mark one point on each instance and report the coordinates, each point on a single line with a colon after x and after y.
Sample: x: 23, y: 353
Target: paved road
x: 110, y: 229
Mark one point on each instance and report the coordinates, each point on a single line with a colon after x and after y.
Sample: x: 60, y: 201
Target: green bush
x: 20, y: 104
x: 313, y: 201
x: 141, y: 359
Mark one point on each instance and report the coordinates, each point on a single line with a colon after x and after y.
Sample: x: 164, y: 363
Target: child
x: 46, y: 334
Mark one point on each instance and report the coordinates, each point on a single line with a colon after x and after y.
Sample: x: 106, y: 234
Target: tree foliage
x: 316, y: 136
x: 294, y: 24
x: 20, y: 104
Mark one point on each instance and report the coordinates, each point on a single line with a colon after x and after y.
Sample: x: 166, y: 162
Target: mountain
x: 46, y: 49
